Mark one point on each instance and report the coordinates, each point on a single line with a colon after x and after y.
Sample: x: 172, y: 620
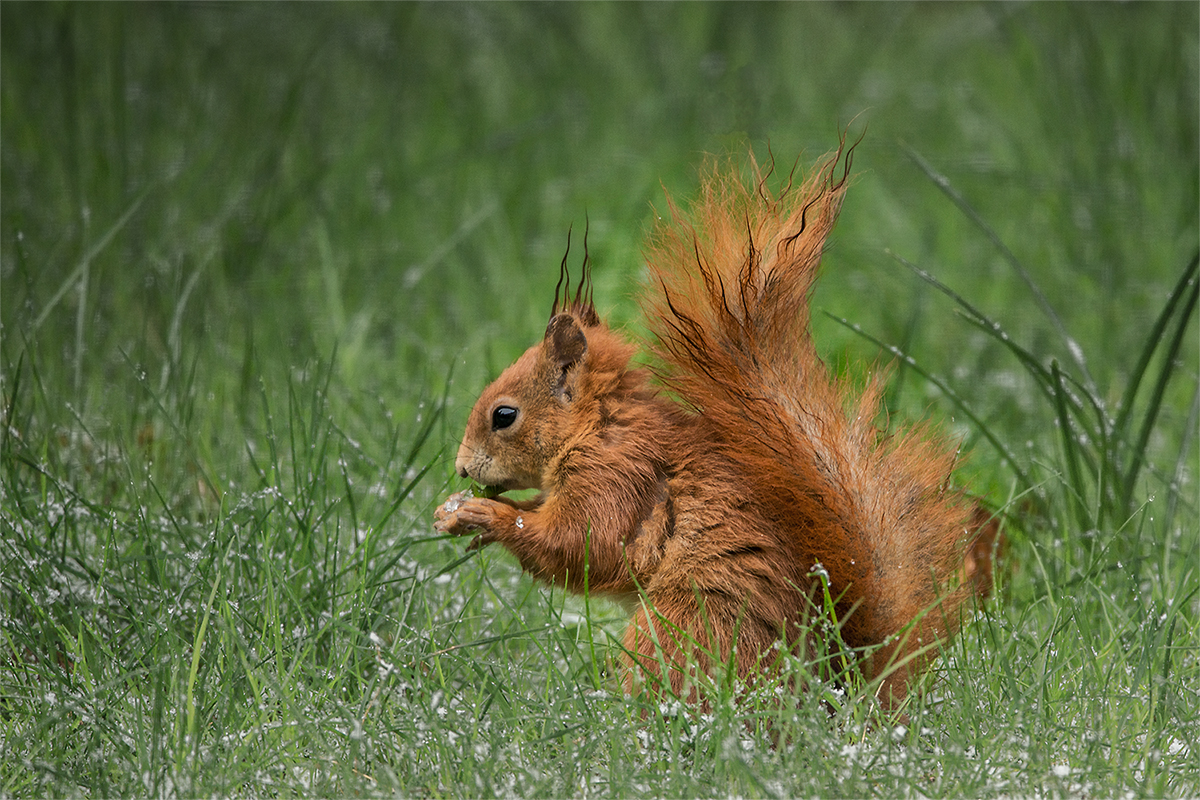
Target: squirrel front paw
x: 463, y: 513
x: 456, y: 516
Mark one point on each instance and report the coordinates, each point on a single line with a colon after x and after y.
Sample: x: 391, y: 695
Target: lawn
x: 257, y: 260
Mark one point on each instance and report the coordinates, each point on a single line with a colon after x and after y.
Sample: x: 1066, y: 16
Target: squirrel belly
x: 718, y: 490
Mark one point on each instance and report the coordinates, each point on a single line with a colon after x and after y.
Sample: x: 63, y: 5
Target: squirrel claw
x: 454, y: 525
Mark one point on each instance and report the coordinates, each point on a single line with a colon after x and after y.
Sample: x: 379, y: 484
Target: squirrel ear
x: 564, y: 346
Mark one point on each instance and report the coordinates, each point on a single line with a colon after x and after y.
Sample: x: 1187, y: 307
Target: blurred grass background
x: 256, y: 261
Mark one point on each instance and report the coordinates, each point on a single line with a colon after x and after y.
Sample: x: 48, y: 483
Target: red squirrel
x: 714, y: 489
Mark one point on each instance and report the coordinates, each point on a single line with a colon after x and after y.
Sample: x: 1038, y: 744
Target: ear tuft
x: 565, y: 346
x: 581, y: 304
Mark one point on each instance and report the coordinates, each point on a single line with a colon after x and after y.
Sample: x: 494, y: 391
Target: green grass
x: 256, y: 261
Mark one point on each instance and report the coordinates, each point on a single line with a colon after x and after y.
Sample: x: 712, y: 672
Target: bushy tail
x: 727, y: 304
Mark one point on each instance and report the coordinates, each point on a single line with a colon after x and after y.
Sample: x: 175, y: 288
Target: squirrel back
x: 718, y: 505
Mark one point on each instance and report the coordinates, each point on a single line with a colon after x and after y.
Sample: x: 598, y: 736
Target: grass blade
x: 1164, y: 376
x: 943, y: 183
x: 197, y: 651
x: 1176, y: 480
x: 1153, y: 340
x: 1076, y: 490
x: 985, y: 324
x: 86, y: 261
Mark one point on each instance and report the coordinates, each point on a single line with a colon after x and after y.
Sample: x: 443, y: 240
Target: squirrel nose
x: 462, y: 461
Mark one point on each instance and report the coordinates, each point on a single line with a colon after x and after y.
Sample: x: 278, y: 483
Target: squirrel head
x: 550, y: 396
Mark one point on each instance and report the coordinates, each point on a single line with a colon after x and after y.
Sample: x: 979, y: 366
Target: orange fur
x: 712, y: 505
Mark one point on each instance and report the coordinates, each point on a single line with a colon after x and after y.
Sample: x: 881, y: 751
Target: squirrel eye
x: 503, y: 417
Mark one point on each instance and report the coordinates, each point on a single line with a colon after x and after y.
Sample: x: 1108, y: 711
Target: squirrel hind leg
x: 678, y: 641
x: 656, y: 661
